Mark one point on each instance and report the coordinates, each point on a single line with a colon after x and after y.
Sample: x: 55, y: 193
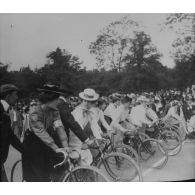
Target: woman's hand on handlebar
x: 91, y: 144
x: 64, y: 153
x: 87, y: 144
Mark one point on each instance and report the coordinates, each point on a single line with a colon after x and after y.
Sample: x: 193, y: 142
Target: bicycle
x: 120, y: 147
x: 69, y: 170
x: 148, y: 149
x: 119, y: 166
x: 168, y: 137
x: 17, y: 168
x: 176, y: 126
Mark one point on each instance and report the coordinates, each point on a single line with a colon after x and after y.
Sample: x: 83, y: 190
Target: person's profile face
x: 118, y: 102
x: 103, y: 106
x: 126, y: 105
x: 133, y: 101
x: 53, y: 104
x: 87, y: 104
x: 12, y: 98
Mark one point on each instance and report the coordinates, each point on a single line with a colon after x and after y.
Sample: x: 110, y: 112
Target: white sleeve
x: 116, y: 119
x: 192, y: 122
x: 135, y: 118
x: 95, y: 128
x: 152, y: 115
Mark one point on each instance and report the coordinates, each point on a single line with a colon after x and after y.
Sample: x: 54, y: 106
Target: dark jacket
x: 7, y: 136
x: 187, y: 111
x: 40, y: 142
x: 69, y: 122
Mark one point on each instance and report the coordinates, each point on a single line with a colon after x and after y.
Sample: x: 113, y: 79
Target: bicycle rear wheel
x: 129, y: 151
x: 85, y: 174
x: 16, y: 172
x: 120, y: 167
x: 153, y: 154
x: 171, y: 142
x: 178, y: 128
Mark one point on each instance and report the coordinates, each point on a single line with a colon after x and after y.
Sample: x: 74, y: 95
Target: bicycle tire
x: 116, y: 155
x: 128, y: 150
x: 143, y: 147
x: 13, y: 170
x: 143, y: 136
x: 69, y: 177
x: 178, y: 130
x: 172, y: 151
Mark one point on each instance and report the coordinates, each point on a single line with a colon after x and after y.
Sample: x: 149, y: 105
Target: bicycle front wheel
x: 85, y: 174
x: 16, y: 172
x: 120, y: 167
x: 153, y: 154
x: 128, y: 150
x: 171, y: 142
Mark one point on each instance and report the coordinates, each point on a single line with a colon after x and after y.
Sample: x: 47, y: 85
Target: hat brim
x: 143, y: 100
x: 60, y: 92
x: 50, y: 91
x: 96, y: 97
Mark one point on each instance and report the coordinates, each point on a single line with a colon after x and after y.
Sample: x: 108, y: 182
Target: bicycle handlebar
x: 96, y: 146
x: 64, y: 160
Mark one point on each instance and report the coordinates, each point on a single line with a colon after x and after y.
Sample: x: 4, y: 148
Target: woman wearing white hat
x: 139, y: 114
x: 86, y: 120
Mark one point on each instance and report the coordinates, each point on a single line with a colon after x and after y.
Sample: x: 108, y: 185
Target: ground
x: 179, y: 167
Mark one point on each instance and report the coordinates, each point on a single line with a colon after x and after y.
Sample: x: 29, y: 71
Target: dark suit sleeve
x: 15, y: 142
x: 69, y: 122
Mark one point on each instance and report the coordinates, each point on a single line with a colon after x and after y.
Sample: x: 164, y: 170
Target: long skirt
x: 3, y: 174
x: 39, y: 159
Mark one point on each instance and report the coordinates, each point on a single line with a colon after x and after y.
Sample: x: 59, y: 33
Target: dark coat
x: 69, y: 122
x: 7, y: 136
x: 40, y: 143
x: 187, y: 111
x: 38, y: 163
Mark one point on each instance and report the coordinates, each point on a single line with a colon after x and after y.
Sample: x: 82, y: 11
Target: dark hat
x: 8, y: 88
x: 54, y: 89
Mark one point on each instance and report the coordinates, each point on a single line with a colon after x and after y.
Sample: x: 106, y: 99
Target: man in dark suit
x: 8, y: 95
x: 68, y: 121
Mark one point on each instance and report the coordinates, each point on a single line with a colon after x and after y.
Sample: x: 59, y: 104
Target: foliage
x: 127, y: 61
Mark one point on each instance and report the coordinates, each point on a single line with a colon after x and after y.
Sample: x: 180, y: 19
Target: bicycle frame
x: 99, y: 159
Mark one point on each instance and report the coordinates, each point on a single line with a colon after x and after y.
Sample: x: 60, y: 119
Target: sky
x: 28, y: 38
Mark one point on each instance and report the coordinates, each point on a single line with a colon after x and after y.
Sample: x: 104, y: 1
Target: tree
x: 4, y: 75
x: 141, y: 52
x: 183, y: 46
x: 60, y: 68
x: 112, y: 44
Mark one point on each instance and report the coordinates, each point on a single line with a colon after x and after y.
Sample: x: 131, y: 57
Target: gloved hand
x: 89, y: 144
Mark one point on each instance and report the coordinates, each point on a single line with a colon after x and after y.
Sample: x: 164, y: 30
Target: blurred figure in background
x: 9, y: 97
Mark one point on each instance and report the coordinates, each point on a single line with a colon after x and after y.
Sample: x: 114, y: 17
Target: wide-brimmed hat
x: 89, y: 95
x: 143, y: 99
x: 49, y: 88
x: 132, y: 95
x: 8, y: 88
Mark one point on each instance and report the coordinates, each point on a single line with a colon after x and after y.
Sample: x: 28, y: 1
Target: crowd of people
x: 56, y: 122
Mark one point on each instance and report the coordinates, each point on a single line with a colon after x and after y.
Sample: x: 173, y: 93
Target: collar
x: 5, y: 105
x: 48, y: 107
x: 62, y: 98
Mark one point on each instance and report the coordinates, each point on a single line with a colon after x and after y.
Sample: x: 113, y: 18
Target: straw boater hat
x: 89, y: 95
